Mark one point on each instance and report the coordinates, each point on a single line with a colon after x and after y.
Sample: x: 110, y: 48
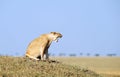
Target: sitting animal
x: 38, y: 48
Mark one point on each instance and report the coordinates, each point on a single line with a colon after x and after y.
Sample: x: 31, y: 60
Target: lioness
x: 38, y: 48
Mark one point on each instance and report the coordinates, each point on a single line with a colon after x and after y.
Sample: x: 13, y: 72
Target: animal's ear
x: 53, y: 32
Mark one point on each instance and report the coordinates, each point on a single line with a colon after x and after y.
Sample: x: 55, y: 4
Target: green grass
x: 24, y: 67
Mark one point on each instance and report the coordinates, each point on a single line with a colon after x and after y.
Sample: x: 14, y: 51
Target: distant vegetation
x: 24, y: 67
x: 84, y: 54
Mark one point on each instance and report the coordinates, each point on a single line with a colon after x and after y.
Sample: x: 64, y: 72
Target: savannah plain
x: 105, y: 66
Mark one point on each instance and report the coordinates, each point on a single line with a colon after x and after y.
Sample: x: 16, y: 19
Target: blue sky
x: 88, y: 26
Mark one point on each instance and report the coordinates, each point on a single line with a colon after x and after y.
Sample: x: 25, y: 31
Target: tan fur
x: 39, y: 46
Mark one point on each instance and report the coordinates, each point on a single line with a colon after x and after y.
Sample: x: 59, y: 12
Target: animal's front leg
x: 46, y: 55
x: 42, y: 55
x: 43, y: 50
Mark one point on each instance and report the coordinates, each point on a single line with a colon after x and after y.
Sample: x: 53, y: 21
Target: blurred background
x: 89, y: 27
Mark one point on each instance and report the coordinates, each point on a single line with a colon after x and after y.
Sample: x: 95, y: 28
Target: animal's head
x: 56, y: 36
